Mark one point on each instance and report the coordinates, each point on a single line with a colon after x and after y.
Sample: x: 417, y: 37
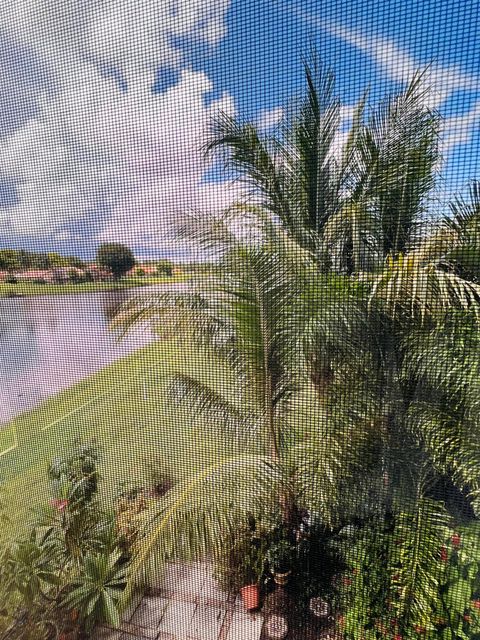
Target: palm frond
x: 255, y: 160
x: 238, y: 419
x: 415, y: 560
x: 451, y: 443
x: 310, y: 134
x: 194, y: 518
x: 422, y: 288
x: 400, y: 148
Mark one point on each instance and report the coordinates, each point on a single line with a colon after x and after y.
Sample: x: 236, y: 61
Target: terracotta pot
x: 281, y: 578
x: 250, y: 596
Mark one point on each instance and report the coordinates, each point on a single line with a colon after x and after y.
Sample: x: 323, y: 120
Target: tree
x: 351, y: 207
x: 9, y: 260
x: 290, y: 455
x: 116, y: 257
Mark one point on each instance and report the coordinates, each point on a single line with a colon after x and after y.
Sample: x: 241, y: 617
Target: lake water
x: 48, y: 343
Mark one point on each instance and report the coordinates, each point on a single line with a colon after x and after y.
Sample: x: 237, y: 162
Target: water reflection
x: 48, y: 343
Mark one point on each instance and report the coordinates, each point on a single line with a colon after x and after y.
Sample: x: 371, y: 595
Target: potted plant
x: 280, y: 557
x: 251, y: 571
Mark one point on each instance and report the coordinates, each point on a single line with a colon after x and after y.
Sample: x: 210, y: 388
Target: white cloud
x: 134, y: 36
x: 88, y: 144
x: 399, y: 65
x: 458, y: 129
x: 269, y: 118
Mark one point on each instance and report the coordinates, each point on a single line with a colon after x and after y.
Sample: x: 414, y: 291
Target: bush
x: 380, y: 597
x: 11, y: 279
x: 165, y: 268
x: 131, y: 502
x: 69, y: 572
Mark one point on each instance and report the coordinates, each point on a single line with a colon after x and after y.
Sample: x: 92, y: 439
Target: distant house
x: 62, y: 274
x: 147, y: 269
x: 99, y: 273
x: 45, y: 275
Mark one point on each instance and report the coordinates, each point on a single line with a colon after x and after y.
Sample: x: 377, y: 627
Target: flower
x: 397, y: 636
x: 476, y: 604
x: 59, y: 505
x: 347, y: 581
x: 418, y: 629
x: 341, y: 621
x: 455, y: 540
x: 444, y: 554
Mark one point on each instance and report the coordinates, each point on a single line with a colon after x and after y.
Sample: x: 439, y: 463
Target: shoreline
x: 29, y: 289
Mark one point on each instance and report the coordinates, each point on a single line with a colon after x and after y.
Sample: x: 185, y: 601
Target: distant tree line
x: 19, y: 260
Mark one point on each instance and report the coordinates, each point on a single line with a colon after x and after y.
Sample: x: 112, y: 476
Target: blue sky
x: 105, y: 104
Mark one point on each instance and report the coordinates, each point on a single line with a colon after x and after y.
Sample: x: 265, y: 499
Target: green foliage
x: 19, y: 259
x: 281, y: 556
x: 415, y: 577
x: 96, y: 590
x: 9, y: 260
x: 241, y: 559
x: 70, y: 566
x: 116, y: 257
x: 75, y: 476
x: 350, y: 337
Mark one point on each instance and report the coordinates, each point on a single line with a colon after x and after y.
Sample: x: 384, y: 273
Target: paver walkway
x: 187, y: 605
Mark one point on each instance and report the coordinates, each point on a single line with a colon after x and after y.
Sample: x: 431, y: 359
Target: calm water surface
x: 48, y: 343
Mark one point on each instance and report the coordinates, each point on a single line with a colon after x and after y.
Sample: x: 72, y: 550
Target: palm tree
x: 349, y: 205
x: 362, y: 211
x: 293, y: 450
x: 334, y: 375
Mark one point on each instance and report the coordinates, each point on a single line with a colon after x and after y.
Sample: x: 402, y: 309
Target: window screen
x: 239, y: 320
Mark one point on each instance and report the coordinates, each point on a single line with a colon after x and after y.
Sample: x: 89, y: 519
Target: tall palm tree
x: 361, y: 210
x: 334, y: 375
x: 293, y: 450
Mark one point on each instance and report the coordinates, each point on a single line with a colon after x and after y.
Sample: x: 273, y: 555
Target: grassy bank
x: 36, y: 289
x: 126, y: 408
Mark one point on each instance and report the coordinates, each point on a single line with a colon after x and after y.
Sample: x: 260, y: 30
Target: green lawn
x: 125, y: 407
x: 34, y: 289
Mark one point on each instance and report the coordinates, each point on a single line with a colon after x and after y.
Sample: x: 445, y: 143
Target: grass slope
x: 126, y: 408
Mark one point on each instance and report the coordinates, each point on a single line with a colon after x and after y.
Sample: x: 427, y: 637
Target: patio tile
x: 150, y: 612
x: 185, y: 579
x: 245, y: 626
x: 207, y: 622
x: 177, y: 618
x: 211, y: 591
x: 130, y: 610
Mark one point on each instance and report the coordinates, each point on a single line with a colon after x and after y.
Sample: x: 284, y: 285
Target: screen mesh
x: 239, y: 320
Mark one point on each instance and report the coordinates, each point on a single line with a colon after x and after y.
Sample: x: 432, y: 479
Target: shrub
x: 379, y: 604
x: 165, y: 268
x: 10, y: 279
x: 68, y: 573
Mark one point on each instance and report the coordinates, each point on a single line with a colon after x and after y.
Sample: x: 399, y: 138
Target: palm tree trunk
x: 286, y: 499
